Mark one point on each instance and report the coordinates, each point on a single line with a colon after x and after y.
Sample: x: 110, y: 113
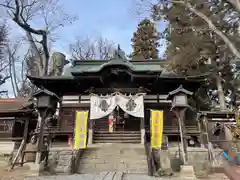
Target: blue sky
x: 111, y: 19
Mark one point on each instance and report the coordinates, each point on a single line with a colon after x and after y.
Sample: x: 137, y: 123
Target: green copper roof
x: 98, y: 65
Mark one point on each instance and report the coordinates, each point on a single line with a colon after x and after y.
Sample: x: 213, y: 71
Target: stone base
x: 187, y: 172
x: 35, y: 169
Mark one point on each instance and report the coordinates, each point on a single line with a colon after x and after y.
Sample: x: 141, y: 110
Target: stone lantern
x: 46, y: 105
x: 180, y: 104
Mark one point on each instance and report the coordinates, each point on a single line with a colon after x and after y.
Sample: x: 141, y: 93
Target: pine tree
x: 192, y: 44
x: 145, y: 41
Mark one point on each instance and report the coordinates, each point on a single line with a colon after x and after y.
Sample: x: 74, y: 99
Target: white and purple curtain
x: 104, y: 105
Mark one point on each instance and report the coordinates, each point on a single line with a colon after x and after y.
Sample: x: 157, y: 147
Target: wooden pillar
x: 209, y: 144
x: 90, y: 132
x: 142, y: 129
x: 40, y: 137
x: 205, y: 129
x: 201, y: 130
x: 184, y: 145
x: 25, y: 132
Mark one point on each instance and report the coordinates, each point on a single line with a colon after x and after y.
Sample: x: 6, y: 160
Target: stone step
x: 125, y: 160
x: 117, y: 135
x: 113, y: 157
x: 85, y: 158
x: 117, y: 155
x: 117, y: 132
x: 117, y: 141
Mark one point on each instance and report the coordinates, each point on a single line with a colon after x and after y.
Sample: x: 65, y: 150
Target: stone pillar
x: 142, y: 128
x: 90, y: 132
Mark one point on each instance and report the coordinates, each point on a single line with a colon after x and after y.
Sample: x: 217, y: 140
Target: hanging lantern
x: 69, y: 141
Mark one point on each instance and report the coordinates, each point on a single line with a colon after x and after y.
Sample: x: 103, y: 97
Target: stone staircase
x: 6, y: 147
x: 127, y: 158
x: 117, y: 137
x: 6, y: 150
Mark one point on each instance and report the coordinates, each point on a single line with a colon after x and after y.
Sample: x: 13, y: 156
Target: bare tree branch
x: 12, y: 70
x: 4, y: 64
x: 3, y: 80
x: 87, y: 49
x: 48, y: 11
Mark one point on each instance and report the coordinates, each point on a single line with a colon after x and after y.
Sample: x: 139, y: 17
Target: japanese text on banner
x: 80, y: 132
x: 156, y: 128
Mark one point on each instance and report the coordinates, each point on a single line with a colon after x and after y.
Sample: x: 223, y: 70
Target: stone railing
x: 64, y: 160
x: 197, y: 157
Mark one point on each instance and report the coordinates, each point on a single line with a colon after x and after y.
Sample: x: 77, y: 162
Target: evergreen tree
x: 145, y: 41
x: 192, y: 44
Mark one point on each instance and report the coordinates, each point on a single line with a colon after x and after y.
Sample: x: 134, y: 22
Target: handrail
x: 78, y: 156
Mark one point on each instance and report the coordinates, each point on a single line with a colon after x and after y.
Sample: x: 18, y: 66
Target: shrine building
x: 136, y: 85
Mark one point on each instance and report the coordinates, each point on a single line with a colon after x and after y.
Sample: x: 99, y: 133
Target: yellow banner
x: 156, y: 128
x: 238, y: 122
x: 80, y: 132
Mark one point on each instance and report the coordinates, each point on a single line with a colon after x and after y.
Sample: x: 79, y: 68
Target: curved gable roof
x: 95, y: 66
x: 117, y: 62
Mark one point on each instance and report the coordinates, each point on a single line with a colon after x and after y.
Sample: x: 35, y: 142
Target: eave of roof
x: 17, y: 113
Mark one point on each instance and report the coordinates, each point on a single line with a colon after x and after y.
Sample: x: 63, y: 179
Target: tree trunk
x: 41, y: 62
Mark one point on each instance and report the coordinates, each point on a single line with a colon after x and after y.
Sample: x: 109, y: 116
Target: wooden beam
x: 76, y: 105
x: 122, y: 90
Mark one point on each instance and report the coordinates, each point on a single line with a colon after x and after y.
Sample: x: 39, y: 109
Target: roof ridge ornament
x: 119, y: 53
